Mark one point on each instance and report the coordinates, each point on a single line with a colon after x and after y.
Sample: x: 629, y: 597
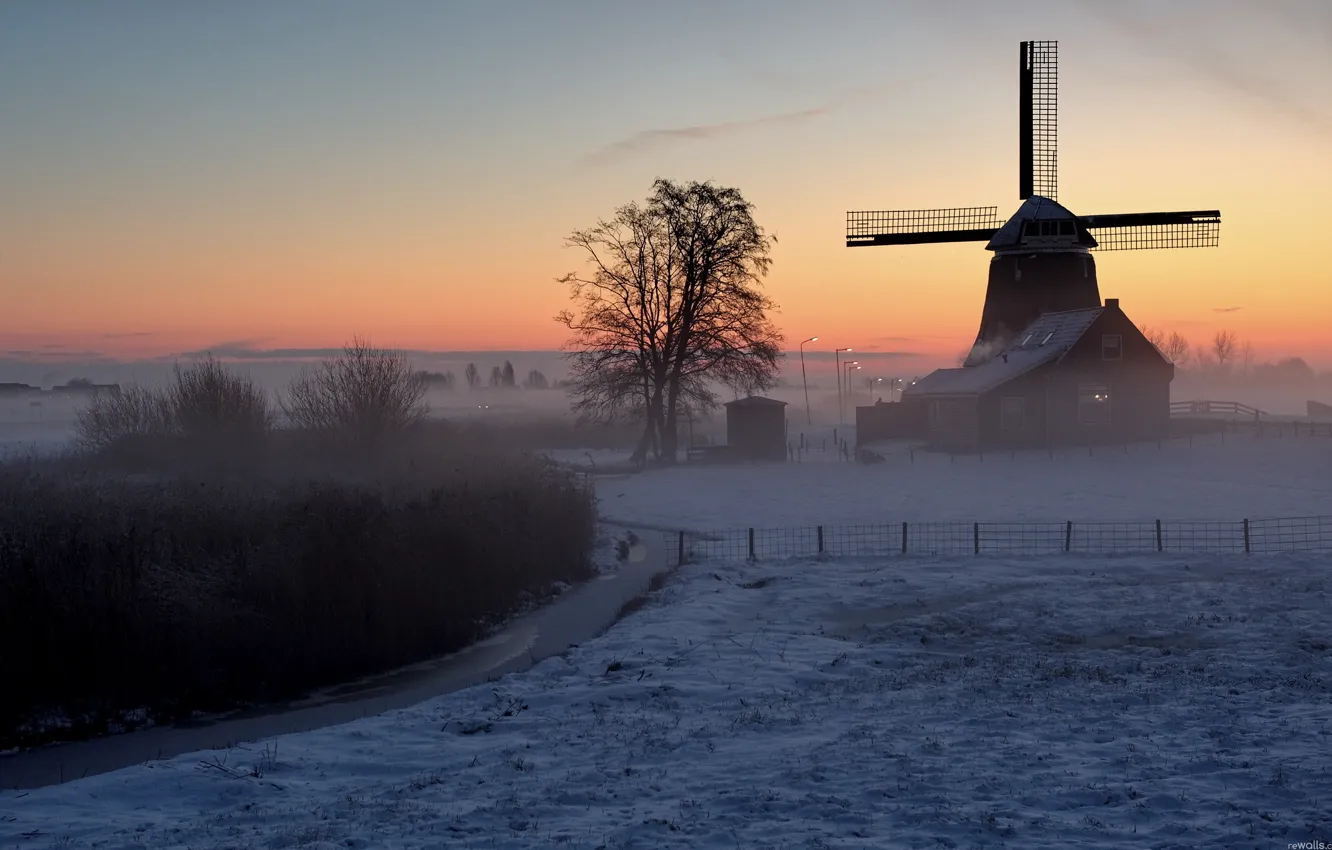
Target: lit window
x: 1093, y: 404
x: 1012, y: 413
x: 1112, y: 347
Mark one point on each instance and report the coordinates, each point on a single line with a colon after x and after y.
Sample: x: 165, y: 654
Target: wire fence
x: 1258, y: 536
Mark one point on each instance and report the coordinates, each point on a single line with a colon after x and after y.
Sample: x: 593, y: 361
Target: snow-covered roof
x: 1035, y: 208
x: 1043, y: 341
x: 755, y: 401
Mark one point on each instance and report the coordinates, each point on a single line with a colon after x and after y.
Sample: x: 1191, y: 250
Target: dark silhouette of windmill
x: 1042, y: 255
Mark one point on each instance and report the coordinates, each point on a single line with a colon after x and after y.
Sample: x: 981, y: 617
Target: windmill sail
x: 1038, y: 120
x: 916, y: 227
x: 1135, y: 231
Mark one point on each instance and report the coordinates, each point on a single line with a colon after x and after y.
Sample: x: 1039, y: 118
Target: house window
x: 1093, y: 404
x: 1012, y: 413
x: 1112, y: 347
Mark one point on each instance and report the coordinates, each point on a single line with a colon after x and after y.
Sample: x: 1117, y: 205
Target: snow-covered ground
x: 912, y: 703
x: 1207, y: 479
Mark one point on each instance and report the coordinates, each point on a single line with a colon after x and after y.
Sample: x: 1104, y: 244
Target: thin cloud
x: 1226, y: 70
x: 647, y: 140
x: 233, y: 348
x: 234, y: 351
x: 129, y: 335
x: 47, y: 355
x: 871, y: 352
x: 1226, y: 309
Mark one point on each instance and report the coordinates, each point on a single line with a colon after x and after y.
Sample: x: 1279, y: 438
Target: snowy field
x: 1241, y: 477
x: 1058, y: 702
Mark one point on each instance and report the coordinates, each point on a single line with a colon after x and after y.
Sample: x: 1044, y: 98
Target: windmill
x: 1042, y: 255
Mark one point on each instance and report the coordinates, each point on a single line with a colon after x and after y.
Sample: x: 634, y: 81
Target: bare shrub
x: 207, y: 400
x: 112, y: 416
x: 195, y: 593
x: 364, y: 392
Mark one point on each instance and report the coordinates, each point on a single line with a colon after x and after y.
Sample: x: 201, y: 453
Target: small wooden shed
x: 756, y: 428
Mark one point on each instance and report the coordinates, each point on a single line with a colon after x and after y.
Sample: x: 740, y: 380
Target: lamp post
x: 838, y: 367
x: 847, y: 367
x: 803, y: 380
x: 872, y: 382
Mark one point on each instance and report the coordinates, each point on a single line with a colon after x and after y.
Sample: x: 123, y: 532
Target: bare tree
x: 536, y: 380
x: 1155, y: 336
x: 1223, y: 348
x: 671, y: 303
x: 507, y: 377
x: 445, y: 380
x: 364, y: 392
x: 1246, y: 357
x: 496, y: 376
x: 1176, y: 349
x: 472, y: 375
x: 112, y: 416
x: 206, y: 399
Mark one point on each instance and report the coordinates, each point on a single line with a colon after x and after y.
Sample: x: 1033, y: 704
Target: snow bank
x: 1206, y: 480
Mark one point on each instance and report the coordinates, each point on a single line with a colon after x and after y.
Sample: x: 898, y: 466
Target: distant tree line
x: 1225, y: 355
x: 501, y: 377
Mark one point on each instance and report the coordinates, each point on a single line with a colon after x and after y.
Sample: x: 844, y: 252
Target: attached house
x: 1077, y: 377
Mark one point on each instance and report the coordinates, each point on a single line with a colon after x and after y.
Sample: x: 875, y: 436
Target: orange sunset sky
x: 179, y: 176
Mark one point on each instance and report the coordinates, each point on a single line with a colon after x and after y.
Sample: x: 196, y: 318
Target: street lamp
x: 809, y: 416
x: 838, y: 367
x: 847, y: 367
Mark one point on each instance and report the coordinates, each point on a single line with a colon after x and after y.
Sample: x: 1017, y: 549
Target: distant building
x: 17, y: 389
x: 756, y: 429
x: 1075, y: 377
x: 80, y: 387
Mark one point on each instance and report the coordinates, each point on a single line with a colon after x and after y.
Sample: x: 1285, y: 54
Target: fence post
x: 975, y: 536
x: 751, y: 544
x: 820, y: 540
x: 1068, y: 536
x: 904, y: 538
x: 1159, y: 542
x: 1246, y: 536
x: 681, y: 557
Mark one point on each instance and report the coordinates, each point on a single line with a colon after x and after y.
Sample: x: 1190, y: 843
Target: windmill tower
x: 1042, y: 255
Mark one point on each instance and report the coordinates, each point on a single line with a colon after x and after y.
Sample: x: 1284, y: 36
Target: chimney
x: 1112, y: 302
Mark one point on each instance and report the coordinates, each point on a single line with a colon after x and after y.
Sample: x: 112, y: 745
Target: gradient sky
x: 178, y: 176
